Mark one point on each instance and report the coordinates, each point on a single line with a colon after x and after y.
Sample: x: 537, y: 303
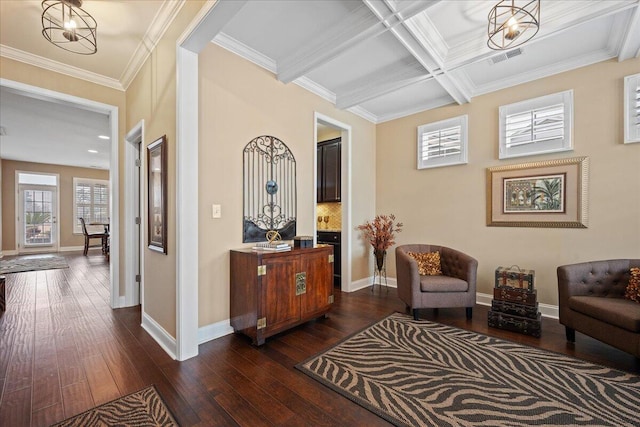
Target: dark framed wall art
x: 157, y: 195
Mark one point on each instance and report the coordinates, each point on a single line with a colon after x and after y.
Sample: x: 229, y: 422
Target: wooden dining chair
x: 88, y: 236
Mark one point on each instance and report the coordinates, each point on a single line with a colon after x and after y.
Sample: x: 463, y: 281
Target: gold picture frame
x: 157, y: 195
x: 550, y: 194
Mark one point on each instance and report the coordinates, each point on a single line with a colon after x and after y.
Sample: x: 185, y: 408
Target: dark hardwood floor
x: 64, y: 350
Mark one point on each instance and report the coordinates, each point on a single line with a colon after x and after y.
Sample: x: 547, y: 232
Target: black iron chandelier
x: 512, y: 23
x: 68, y: 26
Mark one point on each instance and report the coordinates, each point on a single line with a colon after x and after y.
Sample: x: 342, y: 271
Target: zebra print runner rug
x: 420, y: 373
x: 142, y: 408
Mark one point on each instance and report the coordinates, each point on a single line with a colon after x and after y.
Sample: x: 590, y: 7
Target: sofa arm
x: 407, y: 276
x: 460, y: 265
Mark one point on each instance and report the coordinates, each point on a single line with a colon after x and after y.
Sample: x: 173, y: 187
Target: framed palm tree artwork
x: 542, y: 194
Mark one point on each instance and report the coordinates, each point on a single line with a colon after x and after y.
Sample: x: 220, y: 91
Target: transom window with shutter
x: 443, y: 143
x: 632, y: 109
x: 90, y: 201
x: 537, y: 126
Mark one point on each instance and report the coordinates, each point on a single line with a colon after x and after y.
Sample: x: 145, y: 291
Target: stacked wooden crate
x: 515, y: 302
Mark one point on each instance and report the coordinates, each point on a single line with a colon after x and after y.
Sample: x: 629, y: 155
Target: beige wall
x: 447, y: 205
x: 238, y: 102
x: 65, y: 222
x: 152, y: 97
x: 40, y: 77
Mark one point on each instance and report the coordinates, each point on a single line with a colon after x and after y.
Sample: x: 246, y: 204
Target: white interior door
x: 37, y: 218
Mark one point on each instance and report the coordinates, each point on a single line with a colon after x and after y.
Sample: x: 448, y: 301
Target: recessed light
x: 103, y: 137
x: 92, y: 151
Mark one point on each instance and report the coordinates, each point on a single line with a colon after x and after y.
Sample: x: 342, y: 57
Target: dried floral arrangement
x: 380, y: 232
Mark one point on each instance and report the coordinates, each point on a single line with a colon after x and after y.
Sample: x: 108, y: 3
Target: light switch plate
x: 216, y: 211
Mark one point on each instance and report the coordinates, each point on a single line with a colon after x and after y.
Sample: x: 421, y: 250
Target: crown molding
x: 542, y: 72
x: 315, y: 88
x: 244, y: 51
x: 59, y: 67
x: 365, y: 114
x: 161, y: 22
x: 429, y: 105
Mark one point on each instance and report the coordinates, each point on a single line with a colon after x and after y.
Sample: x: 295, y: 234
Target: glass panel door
x: 38, y: 217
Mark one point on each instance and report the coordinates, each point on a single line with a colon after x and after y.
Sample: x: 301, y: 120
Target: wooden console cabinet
x: 274, y: 291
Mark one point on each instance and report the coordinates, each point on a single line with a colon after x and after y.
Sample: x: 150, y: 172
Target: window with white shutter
x: 537, y: 126
x: 90, y: 201
x: 443, y: 143
x: 632, y: 109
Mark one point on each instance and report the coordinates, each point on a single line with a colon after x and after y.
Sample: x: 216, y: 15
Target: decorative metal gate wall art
x: 269, y: 189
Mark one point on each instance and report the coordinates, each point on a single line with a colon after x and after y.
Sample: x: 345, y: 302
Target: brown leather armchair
x: 456, y: 287
x: 591, y: 300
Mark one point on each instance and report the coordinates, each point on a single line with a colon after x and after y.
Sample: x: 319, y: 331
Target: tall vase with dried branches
x: 380, y: 233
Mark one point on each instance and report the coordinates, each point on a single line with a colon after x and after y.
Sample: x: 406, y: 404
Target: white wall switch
x: 216, y: 211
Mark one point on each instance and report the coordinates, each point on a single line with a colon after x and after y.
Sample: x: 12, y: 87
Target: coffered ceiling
x: 381, y: 59
x: 385, y: 59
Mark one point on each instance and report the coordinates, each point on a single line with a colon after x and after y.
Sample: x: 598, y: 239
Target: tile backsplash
x: 334, y: 212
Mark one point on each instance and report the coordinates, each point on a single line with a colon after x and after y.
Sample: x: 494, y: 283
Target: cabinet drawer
x: 329, y: 236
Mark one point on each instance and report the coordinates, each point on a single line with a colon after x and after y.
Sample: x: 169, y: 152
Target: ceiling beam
x: 358, y: 27
x: 211, y: 24
x: 630, y: 47
x: 424, y: 53
x: 382, y: 82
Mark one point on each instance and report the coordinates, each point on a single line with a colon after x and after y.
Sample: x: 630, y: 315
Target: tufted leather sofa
x: 591, y: 301
x: 456, y: 287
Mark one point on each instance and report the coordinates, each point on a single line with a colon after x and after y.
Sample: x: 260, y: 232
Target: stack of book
x: 275, y: 246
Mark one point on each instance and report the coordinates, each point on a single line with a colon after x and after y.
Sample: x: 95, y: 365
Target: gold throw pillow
x: 428, y: 262
x: 633, y: 288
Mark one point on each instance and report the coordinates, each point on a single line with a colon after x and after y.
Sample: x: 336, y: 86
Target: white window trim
x: 564, y: 144
x: 461, y: 158
x: 631, y: 130
x: 77, y: 229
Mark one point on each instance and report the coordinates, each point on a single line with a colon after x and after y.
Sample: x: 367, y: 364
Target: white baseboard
x: 158, y: 333
x: 366, y: 282
x: 547, y: 310
x: 120, y: 302
x: 214, y: 330
x: 60, y: 249
x: 70, y: 248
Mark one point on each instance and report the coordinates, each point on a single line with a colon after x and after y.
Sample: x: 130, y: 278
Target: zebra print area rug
x: 32, y: 263
x: 420, y: 373
x: 142, y: 408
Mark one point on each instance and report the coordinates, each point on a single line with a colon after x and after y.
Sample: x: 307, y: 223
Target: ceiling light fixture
x: 68, y: 26
x: 512, y: 23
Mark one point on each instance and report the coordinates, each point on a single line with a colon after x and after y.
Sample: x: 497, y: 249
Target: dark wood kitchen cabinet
x: 274, y: 291
x: 329, y: 162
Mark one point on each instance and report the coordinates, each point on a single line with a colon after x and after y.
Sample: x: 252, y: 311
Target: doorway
x: 338, y: 213
x: 37, y: 212
x: 66, y: 100
x: 133, y: 229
